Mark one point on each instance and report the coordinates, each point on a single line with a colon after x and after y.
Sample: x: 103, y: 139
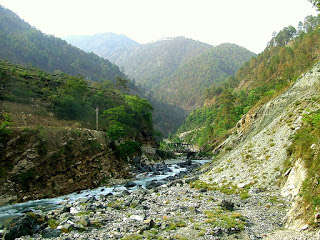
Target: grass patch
x: 225, y: 219
x: 53, y: 224
x: 304, y: 146
x: 227, y: 188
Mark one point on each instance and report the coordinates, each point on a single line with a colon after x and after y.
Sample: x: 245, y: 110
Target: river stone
x: 83, y: 200
x: 150, y: 223
x: 84, y: 220
x: 26, y: 224
x: 191, y: 179
x: 50, y: 233
x: 226, y: 204
x: 74, y: 211
x: 130, y: 184
x: 66, y: 207
x: 67, y: 227
x: 136, y: 217
x: 153, y: 184
x: 65, y: 215
x: 305, y: 227
x: 125, y: 193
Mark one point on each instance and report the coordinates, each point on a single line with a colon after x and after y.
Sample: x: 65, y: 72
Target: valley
x: 83, y: 135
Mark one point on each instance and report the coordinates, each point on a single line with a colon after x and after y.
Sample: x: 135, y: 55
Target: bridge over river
x: 178, y: 147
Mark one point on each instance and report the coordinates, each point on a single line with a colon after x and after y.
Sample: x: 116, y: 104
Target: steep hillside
x: 272, y: 152
x: 49, y: 120
x: 149, y: 63
x: 186, y: 86
x: 289, y: 54
x: 259, y: 153
x: 176, y: 71
x: 25, y: 45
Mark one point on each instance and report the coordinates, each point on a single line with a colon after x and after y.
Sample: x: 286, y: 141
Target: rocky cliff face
x: 43, y: 162
x: 254, y: 155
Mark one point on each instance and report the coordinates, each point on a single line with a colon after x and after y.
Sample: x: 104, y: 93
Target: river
x: 44, y: 205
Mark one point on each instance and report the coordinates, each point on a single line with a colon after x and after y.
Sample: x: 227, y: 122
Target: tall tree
x: 316, y: 3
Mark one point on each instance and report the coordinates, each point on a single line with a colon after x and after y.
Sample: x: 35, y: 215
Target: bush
x: 5, y: 123
x: 165, y: 154
x: 128, y: 149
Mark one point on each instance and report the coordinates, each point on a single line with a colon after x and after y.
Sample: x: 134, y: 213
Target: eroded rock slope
x: 254, y: 155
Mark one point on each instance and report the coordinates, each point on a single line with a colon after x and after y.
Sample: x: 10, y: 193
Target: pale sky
x: 248, y: 23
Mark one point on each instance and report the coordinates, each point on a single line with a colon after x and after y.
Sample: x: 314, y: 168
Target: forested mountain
x: 289, y: 54
x: 25, y: 45
x: 176, y: 70
x: 52, y: 118
x: 186, y: 86
x: 73, y: 98
x: 106, y: 45
x: 150, y: 63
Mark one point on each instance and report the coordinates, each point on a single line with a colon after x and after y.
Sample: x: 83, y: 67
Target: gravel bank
x: 172, y: 211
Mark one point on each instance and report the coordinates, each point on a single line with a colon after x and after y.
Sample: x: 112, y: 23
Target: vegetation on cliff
x: 305, y: 146
x: 289, y: 54
x: 73, y: 98
x: 48, y: 120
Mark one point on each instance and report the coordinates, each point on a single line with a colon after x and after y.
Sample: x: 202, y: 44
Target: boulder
x: 153, y: 184
x: 130, y: 184
x: 226, y: 204
x: 27, y: 224
x: 66, y: 227
x: 149, y: 224
x: 50, y: 233
x: 84, y: 220
x: 136, y: 217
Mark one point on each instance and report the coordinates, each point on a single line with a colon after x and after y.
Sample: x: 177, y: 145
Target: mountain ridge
x: 23, y: 44
x: 159, y: 66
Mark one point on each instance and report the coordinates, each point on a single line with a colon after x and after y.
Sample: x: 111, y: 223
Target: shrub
x: 5, y: 123
x: 127, y: 149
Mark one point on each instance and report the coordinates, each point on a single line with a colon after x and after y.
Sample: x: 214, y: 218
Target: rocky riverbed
x: 184, y: 208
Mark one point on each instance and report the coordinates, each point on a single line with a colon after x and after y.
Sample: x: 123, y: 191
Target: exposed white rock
x: 260, y: 141
x: 136, y: 217
x: 295, y: 179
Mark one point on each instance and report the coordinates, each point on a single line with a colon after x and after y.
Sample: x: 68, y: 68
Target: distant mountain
x: 150, y: 63
x: 186, y: 86
x: 25, y: 45
x: 106, y: 45
x: 177, y: 70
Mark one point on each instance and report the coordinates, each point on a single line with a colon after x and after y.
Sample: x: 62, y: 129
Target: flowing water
x: 45, y: 205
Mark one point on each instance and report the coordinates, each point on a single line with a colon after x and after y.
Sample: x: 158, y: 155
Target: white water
x: 45, y: 205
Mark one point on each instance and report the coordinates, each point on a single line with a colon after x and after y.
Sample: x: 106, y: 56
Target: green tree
x: 5, y: 123
x: 227, y: 100
x: 316, y: 3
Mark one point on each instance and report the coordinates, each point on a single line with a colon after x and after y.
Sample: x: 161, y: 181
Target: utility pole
x: 97, y: 118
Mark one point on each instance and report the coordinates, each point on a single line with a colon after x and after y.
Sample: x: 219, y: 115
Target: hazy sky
x: 248, y: 23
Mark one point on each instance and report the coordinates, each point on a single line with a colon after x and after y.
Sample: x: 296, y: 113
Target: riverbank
x: 183, y: 208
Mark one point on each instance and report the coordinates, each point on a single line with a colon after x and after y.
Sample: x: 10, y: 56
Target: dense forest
x: 25, y: 45
x: 186, y: 86
x: 174, y: 71
x: 288, y: 55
